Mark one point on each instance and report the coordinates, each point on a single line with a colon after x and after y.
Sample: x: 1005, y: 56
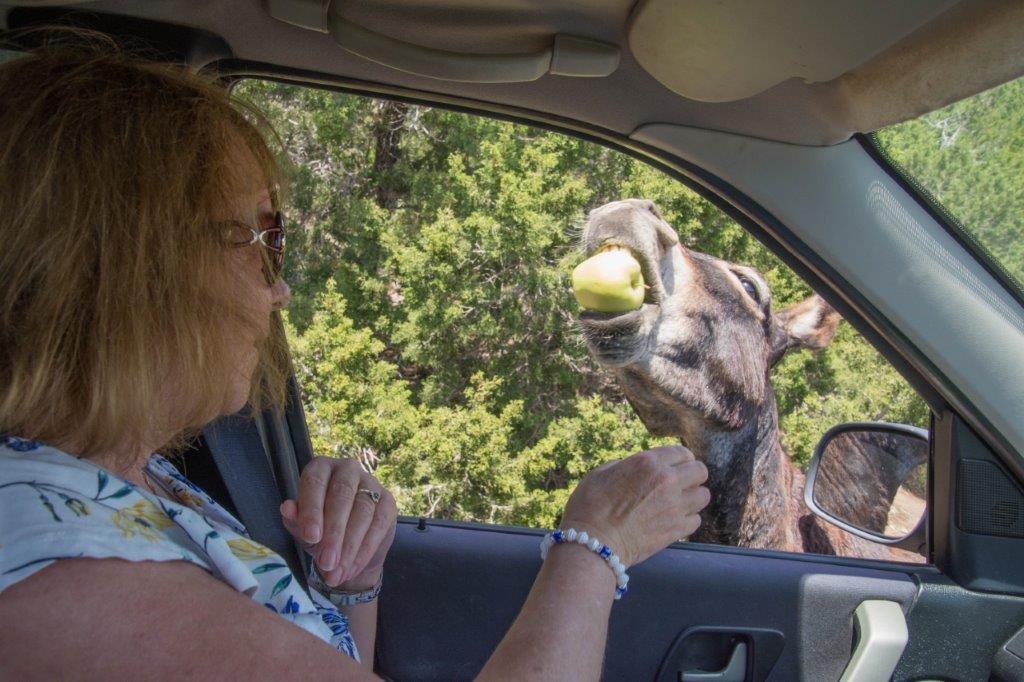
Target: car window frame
x: 769, y: 232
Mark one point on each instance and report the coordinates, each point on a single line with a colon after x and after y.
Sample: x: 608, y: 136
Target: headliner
x: 787, y: 73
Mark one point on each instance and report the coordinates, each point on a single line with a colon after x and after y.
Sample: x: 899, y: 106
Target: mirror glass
x: 875, y: 480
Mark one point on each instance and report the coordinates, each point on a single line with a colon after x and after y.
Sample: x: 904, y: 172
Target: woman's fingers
x: 288, y: 511
x: 695, y: 499
x: 672, y: 455
x: 342, y: 528
x: 692, y: 473
x: 691, y: 524
x: 367, y: 533
x: 342, y: 513
x: 289, y: 517
x: 640, y: 504
x: 382, y: 525
x: 361, y: 515
x: 313, y: 482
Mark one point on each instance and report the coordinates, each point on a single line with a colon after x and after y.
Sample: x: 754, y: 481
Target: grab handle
x: 566, y: 56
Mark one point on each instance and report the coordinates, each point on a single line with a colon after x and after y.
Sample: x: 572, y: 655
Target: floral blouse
x: 55, y: 506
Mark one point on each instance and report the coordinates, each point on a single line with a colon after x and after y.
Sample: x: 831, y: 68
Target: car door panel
x: 454, y: 589
x: 955, y: 633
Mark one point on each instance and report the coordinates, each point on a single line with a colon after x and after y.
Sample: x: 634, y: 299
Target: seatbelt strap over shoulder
x: 238, y: 451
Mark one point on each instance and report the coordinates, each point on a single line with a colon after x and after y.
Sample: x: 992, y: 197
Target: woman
x: 141, y: 261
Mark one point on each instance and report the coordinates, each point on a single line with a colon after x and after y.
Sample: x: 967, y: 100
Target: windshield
x: 970, y: 156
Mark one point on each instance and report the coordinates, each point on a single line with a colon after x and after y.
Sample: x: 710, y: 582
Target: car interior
x: 766, y: 110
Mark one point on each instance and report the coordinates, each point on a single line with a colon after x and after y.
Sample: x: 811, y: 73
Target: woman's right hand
x: 640, y: 504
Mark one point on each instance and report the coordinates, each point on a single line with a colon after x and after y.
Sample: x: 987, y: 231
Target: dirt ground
x: 906, y: 511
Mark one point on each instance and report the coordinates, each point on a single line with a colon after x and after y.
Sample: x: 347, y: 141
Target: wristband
x: 594, y: 545
x: 343, y: 597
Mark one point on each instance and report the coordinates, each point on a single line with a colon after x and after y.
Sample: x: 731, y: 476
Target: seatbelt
x: 290, y: 450
x: 259, y: 458
x: 238, y: 451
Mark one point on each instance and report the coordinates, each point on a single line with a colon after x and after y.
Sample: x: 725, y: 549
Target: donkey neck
x: 749, y: 478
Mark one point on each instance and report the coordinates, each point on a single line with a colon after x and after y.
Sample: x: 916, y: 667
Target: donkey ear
x: 811, y: 324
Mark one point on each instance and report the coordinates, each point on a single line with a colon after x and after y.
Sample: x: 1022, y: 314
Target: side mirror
x: 871, y: 479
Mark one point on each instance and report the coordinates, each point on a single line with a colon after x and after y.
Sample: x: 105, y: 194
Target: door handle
x: 734, y: 671
x: 881, y: 637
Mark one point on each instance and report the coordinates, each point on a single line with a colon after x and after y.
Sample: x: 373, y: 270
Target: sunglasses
x: 272, y: 240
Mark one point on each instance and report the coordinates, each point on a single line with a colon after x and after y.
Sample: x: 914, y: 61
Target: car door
x: 453, y: 590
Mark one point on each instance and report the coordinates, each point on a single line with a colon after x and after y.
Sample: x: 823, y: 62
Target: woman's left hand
x: 344, y: 530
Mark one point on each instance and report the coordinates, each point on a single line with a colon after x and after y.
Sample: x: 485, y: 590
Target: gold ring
x: 374, y: 495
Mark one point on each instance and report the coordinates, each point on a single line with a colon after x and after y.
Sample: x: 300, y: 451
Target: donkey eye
x: 749, y: 287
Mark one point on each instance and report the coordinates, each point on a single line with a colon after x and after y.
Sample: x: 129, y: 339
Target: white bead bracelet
x: 594, y: 545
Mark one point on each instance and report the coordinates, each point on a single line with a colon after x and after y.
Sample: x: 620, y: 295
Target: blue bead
x: 605, y: 551
x: 557, y: 536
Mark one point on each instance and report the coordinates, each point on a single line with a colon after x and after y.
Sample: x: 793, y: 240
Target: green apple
x: 610, y: 281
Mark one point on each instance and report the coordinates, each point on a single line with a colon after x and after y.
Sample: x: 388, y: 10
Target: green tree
x: 433, y: 321
x: 356, y: 403
x: 459, y: 463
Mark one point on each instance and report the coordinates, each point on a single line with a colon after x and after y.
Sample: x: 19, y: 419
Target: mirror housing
x: 861, y: 471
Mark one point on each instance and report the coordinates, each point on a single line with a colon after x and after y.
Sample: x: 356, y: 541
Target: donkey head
x: 697, y: 352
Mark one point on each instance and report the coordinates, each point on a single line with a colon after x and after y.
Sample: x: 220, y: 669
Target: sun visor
x: 727, y: 50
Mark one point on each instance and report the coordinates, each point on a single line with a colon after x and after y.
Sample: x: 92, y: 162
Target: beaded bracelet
x: 594, y: 545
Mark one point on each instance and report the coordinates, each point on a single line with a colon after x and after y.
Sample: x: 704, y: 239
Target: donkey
x: 693, y: 362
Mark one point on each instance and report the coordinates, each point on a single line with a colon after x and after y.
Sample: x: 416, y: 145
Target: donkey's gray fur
x: 694, y: 363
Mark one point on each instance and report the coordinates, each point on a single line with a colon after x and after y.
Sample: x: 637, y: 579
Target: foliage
x: 357, y: 404
x: 460, y: 462
x: 432, y: 323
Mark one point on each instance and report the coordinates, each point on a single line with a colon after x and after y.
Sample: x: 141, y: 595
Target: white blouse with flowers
x: 56, y: 506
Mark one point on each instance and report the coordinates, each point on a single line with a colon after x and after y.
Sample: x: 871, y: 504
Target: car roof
x: 797, y: 71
